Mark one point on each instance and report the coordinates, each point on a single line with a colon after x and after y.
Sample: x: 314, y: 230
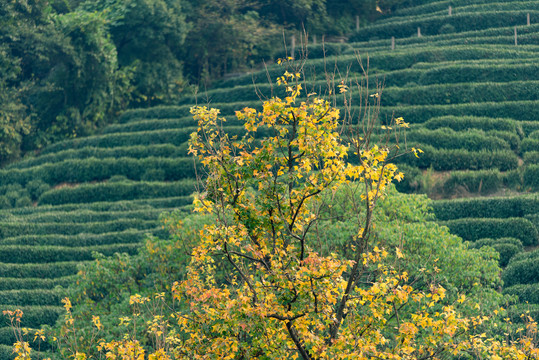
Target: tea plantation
x: 470, y: 94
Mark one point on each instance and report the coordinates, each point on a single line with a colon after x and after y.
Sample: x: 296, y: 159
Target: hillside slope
x: 469, y: 92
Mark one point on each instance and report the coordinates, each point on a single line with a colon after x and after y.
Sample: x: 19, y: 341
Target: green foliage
x: 528, y: 255
x: 34, y: 283
x: 92, y: 169
x: 518, y: 110
x: 431, y: 24
x: 490, y: 242
x: 491, y: 207
x: 525, y: 292
x: 136, y: 152
x: 473, y: 229
x: 524, y: 271
x: 116, y: 191
x: 481, y: 182
x: 466, y: 92
x: 531, y: 176
x: 47, y: 271
x: 463, y: 72
x: 138, y: 25
x: 463, y: 123
x: 446, y: 138
x: 49, y: 254
x: 39, y: 297
x: 81, y: 240
x: 103, y: 287
x: 460, y: 159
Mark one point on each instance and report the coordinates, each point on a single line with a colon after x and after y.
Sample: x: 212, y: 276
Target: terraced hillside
x: 469, y: 92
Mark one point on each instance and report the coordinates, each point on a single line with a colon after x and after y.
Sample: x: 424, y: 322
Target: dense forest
x: 69, y: 66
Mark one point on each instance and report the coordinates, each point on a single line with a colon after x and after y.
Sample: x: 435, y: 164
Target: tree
x: 259, y: 283
x: 282, y: 297
x: 148, y: 36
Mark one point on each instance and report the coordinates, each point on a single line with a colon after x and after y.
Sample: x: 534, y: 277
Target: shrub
x: 430, y: 24
x: 531, y: 176
x: 492, y: 207
x: 525, y: 292
x: 460, y: 159
x: 491, y: 242
x: 36, y: 187
x: 82, y: 240
x: 37, y: 297
x: 48, y: 271
x: 34, y: 283
x: 483, y: 182
x: 460, y: 93
x: 463, y: 123
x: 8, y: 229
x: 88, y: 193
x: 473, y: 229
x: 521, y: 272
x: 518, y: 110
x: 447, y: 29
x: 446, y: 138
x: 528, y: 255
x: 529, y: 144
x: 50, y: 254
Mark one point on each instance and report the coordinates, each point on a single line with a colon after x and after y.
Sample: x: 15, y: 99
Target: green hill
x: 469, y: 92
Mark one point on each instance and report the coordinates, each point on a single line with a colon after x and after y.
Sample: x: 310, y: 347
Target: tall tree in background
x: 149, y: 37
x: 226, y: 36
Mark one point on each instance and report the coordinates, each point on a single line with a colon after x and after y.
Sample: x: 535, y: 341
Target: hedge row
x: 491, y: 207
x: 85, y: 215
x: 443, y: 38
x: 22, y: 254
x: 531, y: 176
x: 151, y: 125
x: 528, y: 255
x: 122, y: 205
x: 37, y: 297
x: 432, y: 25
x: 506, y: 247
x: 384, y: 60
x: 534, y: 218
x: 525, y: 292
x: 173, y: 136
x: 464, y: 123
x: 529, y: 144
x: 416, y: 114
x: 35, y: 316
x: 449, y: 93
x: 9, y: 229
x: 531, y: 158
x: 491, y: 242
x: 117, y: 191
x: 34, y: 283
x: 183, y: 111
x: 7, y: 337
x: 44, y: 271
x: 460, y: 159
x: 461, y: 93
x: 481, y: 182
x: 521, y: 272
x: 93, y: 169
x: 446, y: 138
x: 462, y: 73
x: 473, y: 229
x: 79, y: 240
x: 137, y: 152
x: 528, y: 126
x: 435, y: 6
